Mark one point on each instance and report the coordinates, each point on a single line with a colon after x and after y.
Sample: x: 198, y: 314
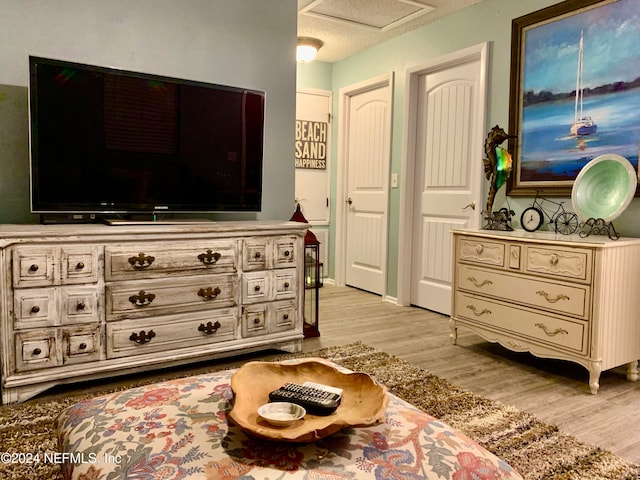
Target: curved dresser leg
x: 594, y: 377
x: 454, y: 331
x: 632, y: 371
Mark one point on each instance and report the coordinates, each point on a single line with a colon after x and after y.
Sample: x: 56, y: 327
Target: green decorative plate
x: 604, y: 188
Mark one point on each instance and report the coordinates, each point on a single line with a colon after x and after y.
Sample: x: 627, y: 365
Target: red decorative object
x: 312, y: 278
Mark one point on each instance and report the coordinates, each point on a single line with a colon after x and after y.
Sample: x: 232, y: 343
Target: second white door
x: 449, y: 96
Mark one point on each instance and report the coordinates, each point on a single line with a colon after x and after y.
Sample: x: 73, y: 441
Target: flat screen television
x: 109, y: 141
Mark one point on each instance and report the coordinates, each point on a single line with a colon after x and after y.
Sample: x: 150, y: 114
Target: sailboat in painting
x: 582, y: 124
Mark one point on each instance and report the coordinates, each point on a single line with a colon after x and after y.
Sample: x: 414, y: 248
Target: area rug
x: 536, y: 449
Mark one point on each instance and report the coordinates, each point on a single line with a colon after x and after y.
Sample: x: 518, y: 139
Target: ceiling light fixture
x: 307, y: 49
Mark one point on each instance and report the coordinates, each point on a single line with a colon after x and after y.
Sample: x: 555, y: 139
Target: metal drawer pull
x: 81, y: 306
x: 550, y: 333
x: 553, y: 259
x: 142, y: 299
x: 209, y: 258
x: 257, y: 255
x: 479, y: 284
x: 35, y: 309
x: 142, y: 337
x: 256, y: 320
x: 257, y: 288
x: 82, y: 346
x: 544, y: 294
x: 79, y: 266
x: 286, y: 285
x: 475, y: 311
x: 33, y: 268
x: 209, y: 328
x: 287, y: 253
x: 209, y: 293
x: 37, y: 351
x: 141, y: 261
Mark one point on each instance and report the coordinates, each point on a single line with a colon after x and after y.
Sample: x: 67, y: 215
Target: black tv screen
x: 110, y: 141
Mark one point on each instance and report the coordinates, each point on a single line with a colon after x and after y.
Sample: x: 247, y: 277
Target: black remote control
x: 314, y: 400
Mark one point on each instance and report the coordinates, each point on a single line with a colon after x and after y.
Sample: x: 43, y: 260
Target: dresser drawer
x: 254, y: 254
x: 165, y: 296
x: 35, y: 307
x: 254, y: 320
x: 285, y: 252
x: 154, y: 260
x: 79, y: 264
x: 546, y: 330
x: 36, y: 349
x: 171, y: 332
x: 551, y: 296
x: 285, y: 283
x: 570, y: 263
x: 81, y: 344
x: 34, y: 266
x: 79, y: 305
x: 282, y: 316
x: 480, y: 251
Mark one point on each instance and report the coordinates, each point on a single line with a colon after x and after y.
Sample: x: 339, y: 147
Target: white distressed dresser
x: 88, y: 301
x: 556, y: 296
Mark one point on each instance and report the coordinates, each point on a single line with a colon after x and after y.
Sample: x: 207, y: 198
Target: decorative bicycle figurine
x: 533, y: 217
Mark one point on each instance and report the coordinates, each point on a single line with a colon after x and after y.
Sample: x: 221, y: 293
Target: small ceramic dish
x: 281, y: 414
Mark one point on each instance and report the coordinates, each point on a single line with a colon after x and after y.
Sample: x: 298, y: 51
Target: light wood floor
x: 555, y: 391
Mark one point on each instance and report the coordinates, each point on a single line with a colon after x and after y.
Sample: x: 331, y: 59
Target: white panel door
x: 448, y: 173
x: 367, y: 186
x: 312, y: 184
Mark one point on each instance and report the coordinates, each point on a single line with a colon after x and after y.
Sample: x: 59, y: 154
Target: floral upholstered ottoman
x: 179, y: 430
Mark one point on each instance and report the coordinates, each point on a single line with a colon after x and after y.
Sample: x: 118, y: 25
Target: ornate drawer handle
x: 209, y: 258
x: 142, y: 337
x: 141, y: 261
x: 82, y: 346
x: 33, y: 268
x: 209, y: 328
x: 544, y: 294
x: 476, y: 313
x: 209, y: 293
x: 142, y: 299
x: 37, y: 351
x: 35, y: 309
x: 79, y: 266
x: 479, y: 284
x: 479, y: 249
x: 553, y: 259
x: 550, y: 333
x: 81, y: 306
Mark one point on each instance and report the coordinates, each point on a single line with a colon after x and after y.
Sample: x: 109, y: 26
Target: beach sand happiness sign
x: 311, y: 144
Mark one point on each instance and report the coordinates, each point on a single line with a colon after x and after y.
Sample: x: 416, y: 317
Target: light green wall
x: 246, y: 43
x: 487, y: 21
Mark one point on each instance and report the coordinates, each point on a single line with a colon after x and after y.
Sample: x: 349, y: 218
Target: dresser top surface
x: 12, y: 233
x: 599, y: 241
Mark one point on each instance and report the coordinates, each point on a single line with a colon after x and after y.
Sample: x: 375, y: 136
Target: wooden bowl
x: 364, y: 402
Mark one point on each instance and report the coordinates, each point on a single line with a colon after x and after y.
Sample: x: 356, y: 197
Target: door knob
x: 349, y: 201
x: 472, y: 206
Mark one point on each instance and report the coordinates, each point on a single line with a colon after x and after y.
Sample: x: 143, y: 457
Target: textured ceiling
x: 349, y: 26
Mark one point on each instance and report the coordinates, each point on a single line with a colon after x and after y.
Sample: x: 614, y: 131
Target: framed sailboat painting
x: 574, y: 93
